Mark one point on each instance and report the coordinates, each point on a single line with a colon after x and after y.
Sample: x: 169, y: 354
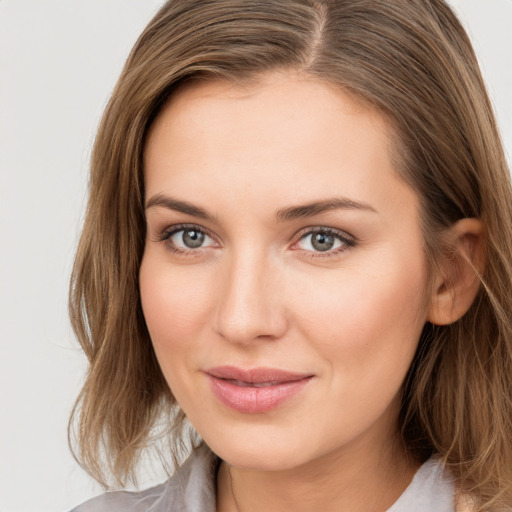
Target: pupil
x: 322, y: 241
x: 193, y: 238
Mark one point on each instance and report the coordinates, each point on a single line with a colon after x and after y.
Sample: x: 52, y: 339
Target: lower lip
x: 255, y: 400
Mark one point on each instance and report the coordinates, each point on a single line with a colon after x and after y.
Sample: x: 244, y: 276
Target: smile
x: 257, y: 390
x: 253, y: 384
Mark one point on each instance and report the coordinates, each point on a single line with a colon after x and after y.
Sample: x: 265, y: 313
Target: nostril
x: 239, y: 326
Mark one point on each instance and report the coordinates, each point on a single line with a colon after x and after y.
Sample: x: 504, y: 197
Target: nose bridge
x: 250, y: 305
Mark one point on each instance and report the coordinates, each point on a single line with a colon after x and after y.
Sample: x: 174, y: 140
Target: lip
x: 255, y: 390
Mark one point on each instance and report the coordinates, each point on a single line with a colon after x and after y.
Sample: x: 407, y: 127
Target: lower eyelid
x: 165, y: 235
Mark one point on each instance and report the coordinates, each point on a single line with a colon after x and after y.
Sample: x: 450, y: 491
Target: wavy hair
x: 413, y: 62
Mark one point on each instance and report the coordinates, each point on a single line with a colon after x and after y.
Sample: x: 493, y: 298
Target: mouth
x: 244, y: 384
x: 256, y: 390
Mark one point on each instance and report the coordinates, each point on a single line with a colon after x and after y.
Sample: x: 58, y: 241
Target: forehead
x: 203, y: 96
x: 286, y: 132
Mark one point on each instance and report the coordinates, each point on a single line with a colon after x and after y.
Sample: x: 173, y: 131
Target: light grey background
x: 58, y: 63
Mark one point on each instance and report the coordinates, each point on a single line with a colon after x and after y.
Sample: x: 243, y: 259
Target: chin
x: 258, y: 460
x: 264, y: 451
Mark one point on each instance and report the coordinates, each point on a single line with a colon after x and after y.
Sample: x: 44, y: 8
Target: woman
x: 299, y: 238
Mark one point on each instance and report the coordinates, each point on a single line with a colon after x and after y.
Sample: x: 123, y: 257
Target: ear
x: 457, y: 282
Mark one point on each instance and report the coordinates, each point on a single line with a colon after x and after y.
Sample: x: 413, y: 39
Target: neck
x: 345, y: 480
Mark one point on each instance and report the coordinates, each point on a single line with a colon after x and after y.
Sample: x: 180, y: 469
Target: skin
x: 258, y: 293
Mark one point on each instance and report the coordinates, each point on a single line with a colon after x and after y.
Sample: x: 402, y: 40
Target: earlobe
x: 458, y: 280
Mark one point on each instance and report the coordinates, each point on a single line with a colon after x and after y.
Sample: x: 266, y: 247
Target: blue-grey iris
x: 322, y: 241
x: 192, y: 238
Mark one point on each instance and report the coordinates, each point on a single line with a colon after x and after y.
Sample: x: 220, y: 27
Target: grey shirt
x: 192, y: 489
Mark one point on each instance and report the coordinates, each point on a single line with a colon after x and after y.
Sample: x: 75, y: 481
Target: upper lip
x: 256, y: 375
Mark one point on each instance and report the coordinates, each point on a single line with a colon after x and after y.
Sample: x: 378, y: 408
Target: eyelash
x: 169, y: 232
x: 348, y: 241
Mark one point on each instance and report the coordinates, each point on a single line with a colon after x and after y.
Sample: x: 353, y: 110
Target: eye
x: 324, y: 240
x: 187, y: 238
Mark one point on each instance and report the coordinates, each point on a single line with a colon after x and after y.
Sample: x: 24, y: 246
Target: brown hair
x: 411, y: 60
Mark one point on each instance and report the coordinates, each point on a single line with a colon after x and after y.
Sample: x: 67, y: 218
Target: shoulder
x: 432, y: 488
x: 123, y: 501
x: 190, y: 489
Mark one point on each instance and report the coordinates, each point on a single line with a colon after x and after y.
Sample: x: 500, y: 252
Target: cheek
x: 365, y: 327
x: 175, y: 303
x: 366, y: 319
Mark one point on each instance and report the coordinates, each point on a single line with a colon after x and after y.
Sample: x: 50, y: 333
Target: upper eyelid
x: 314, y: 229
x: 167, y: 232
x: 302, y: 231
x: 176, y: 228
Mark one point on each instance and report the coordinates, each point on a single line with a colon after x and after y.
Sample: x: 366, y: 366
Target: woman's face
x: 283, y: 280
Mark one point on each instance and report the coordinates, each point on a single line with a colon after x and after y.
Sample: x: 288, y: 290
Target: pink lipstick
x: 255, y: 390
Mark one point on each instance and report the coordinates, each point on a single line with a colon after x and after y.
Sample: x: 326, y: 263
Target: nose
x: 251, y: 303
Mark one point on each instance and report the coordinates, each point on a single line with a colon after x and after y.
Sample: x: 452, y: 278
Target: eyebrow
x: 317, y: 207
x: 283, y: 215
x: 179, y: 206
